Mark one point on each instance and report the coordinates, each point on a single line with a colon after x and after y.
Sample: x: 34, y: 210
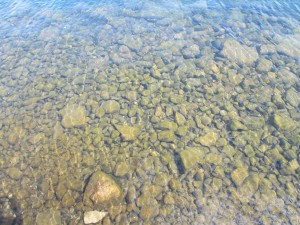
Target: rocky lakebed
x: 149, y: 113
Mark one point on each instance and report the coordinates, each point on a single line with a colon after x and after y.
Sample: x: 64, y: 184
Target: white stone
x: 93, y: 216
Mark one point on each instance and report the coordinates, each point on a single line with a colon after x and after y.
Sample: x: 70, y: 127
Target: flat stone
x: 208, y: 139
x: 111, y: 106
x: 102, y: 190
x: 241, y: 54
x: 74, y: 116
x: 49, y: 217
x: 93, y: 216
x: 128, y: 133
x: 239, y: 175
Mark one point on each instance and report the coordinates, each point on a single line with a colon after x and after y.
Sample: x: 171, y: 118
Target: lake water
x: 149, y: 112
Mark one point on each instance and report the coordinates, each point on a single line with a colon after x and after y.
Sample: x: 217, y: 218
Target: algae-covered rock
x: 128, y: 133
x: 73, y: 116
x: 191, y: 157
x: 49, y: 217
x: 239, y: 175
x: 166, y: 136
x: 102, y: 191
x: 208, y: 139
x: 239, y: 53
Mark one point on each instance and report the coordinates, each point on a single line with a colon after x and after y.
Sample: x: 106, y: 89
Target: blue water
x: 193, y: 107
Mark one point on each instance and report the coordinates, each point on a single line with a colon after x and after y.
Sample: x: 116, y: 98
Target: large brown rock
x: 102, y: 191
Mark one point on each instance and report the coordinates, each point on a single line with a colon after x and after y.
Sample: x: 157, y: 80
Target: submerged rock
x: 102, y: 191
x: 191, y: 157
x: 264, y: 65
x: 14, y: 173
x: 283, y: 122
x: 166, y: 135
x: 49, y: 217
x: 236, y: 52
x: 208, y: 139
x: 239, y: 175
x: 293, y: 97
x: 74, y: 116
x: 93, y: 216
x: 111, y: 106
x: 128, y: 133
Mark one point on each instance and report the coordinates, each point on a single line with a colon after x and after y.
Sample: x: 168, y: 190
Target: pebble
x: 93, y: 217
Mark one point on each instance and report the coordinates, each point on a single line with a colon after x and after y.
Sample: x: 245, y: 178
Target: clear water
x: 191, y: 106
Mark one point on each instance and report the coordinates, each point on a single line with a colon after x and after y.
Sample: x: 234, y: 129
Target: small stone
x: 74, y: 116
x: 249, y: 186
x: 111, y: 106
x: 36, y: 138
x: 13, y: 138
x: 239, y: 175
x: 93, y: 216
x: 176, y: 99
x: 166, y: 136
x: 180, y: 119
x: 182, y: 131
x: 239, y: 53
x: 148, y: 212
x: 167, y: 125
x: 128, y: 133
x: 237, y: 125
x: 49, y: 33
x: 264, y: 65
x: 208, y: 139
x: 213, y: 158
x: 293, y: 97
x: 284, y: 122
x: 14, y: 173
x: 122, y: 169
x: 191, y: 157
x: 49, y: 217
x: 102, y: 190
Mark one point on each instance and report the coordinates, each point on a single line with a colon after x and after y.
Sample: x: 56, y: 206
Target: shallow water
x: 191, y: 106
